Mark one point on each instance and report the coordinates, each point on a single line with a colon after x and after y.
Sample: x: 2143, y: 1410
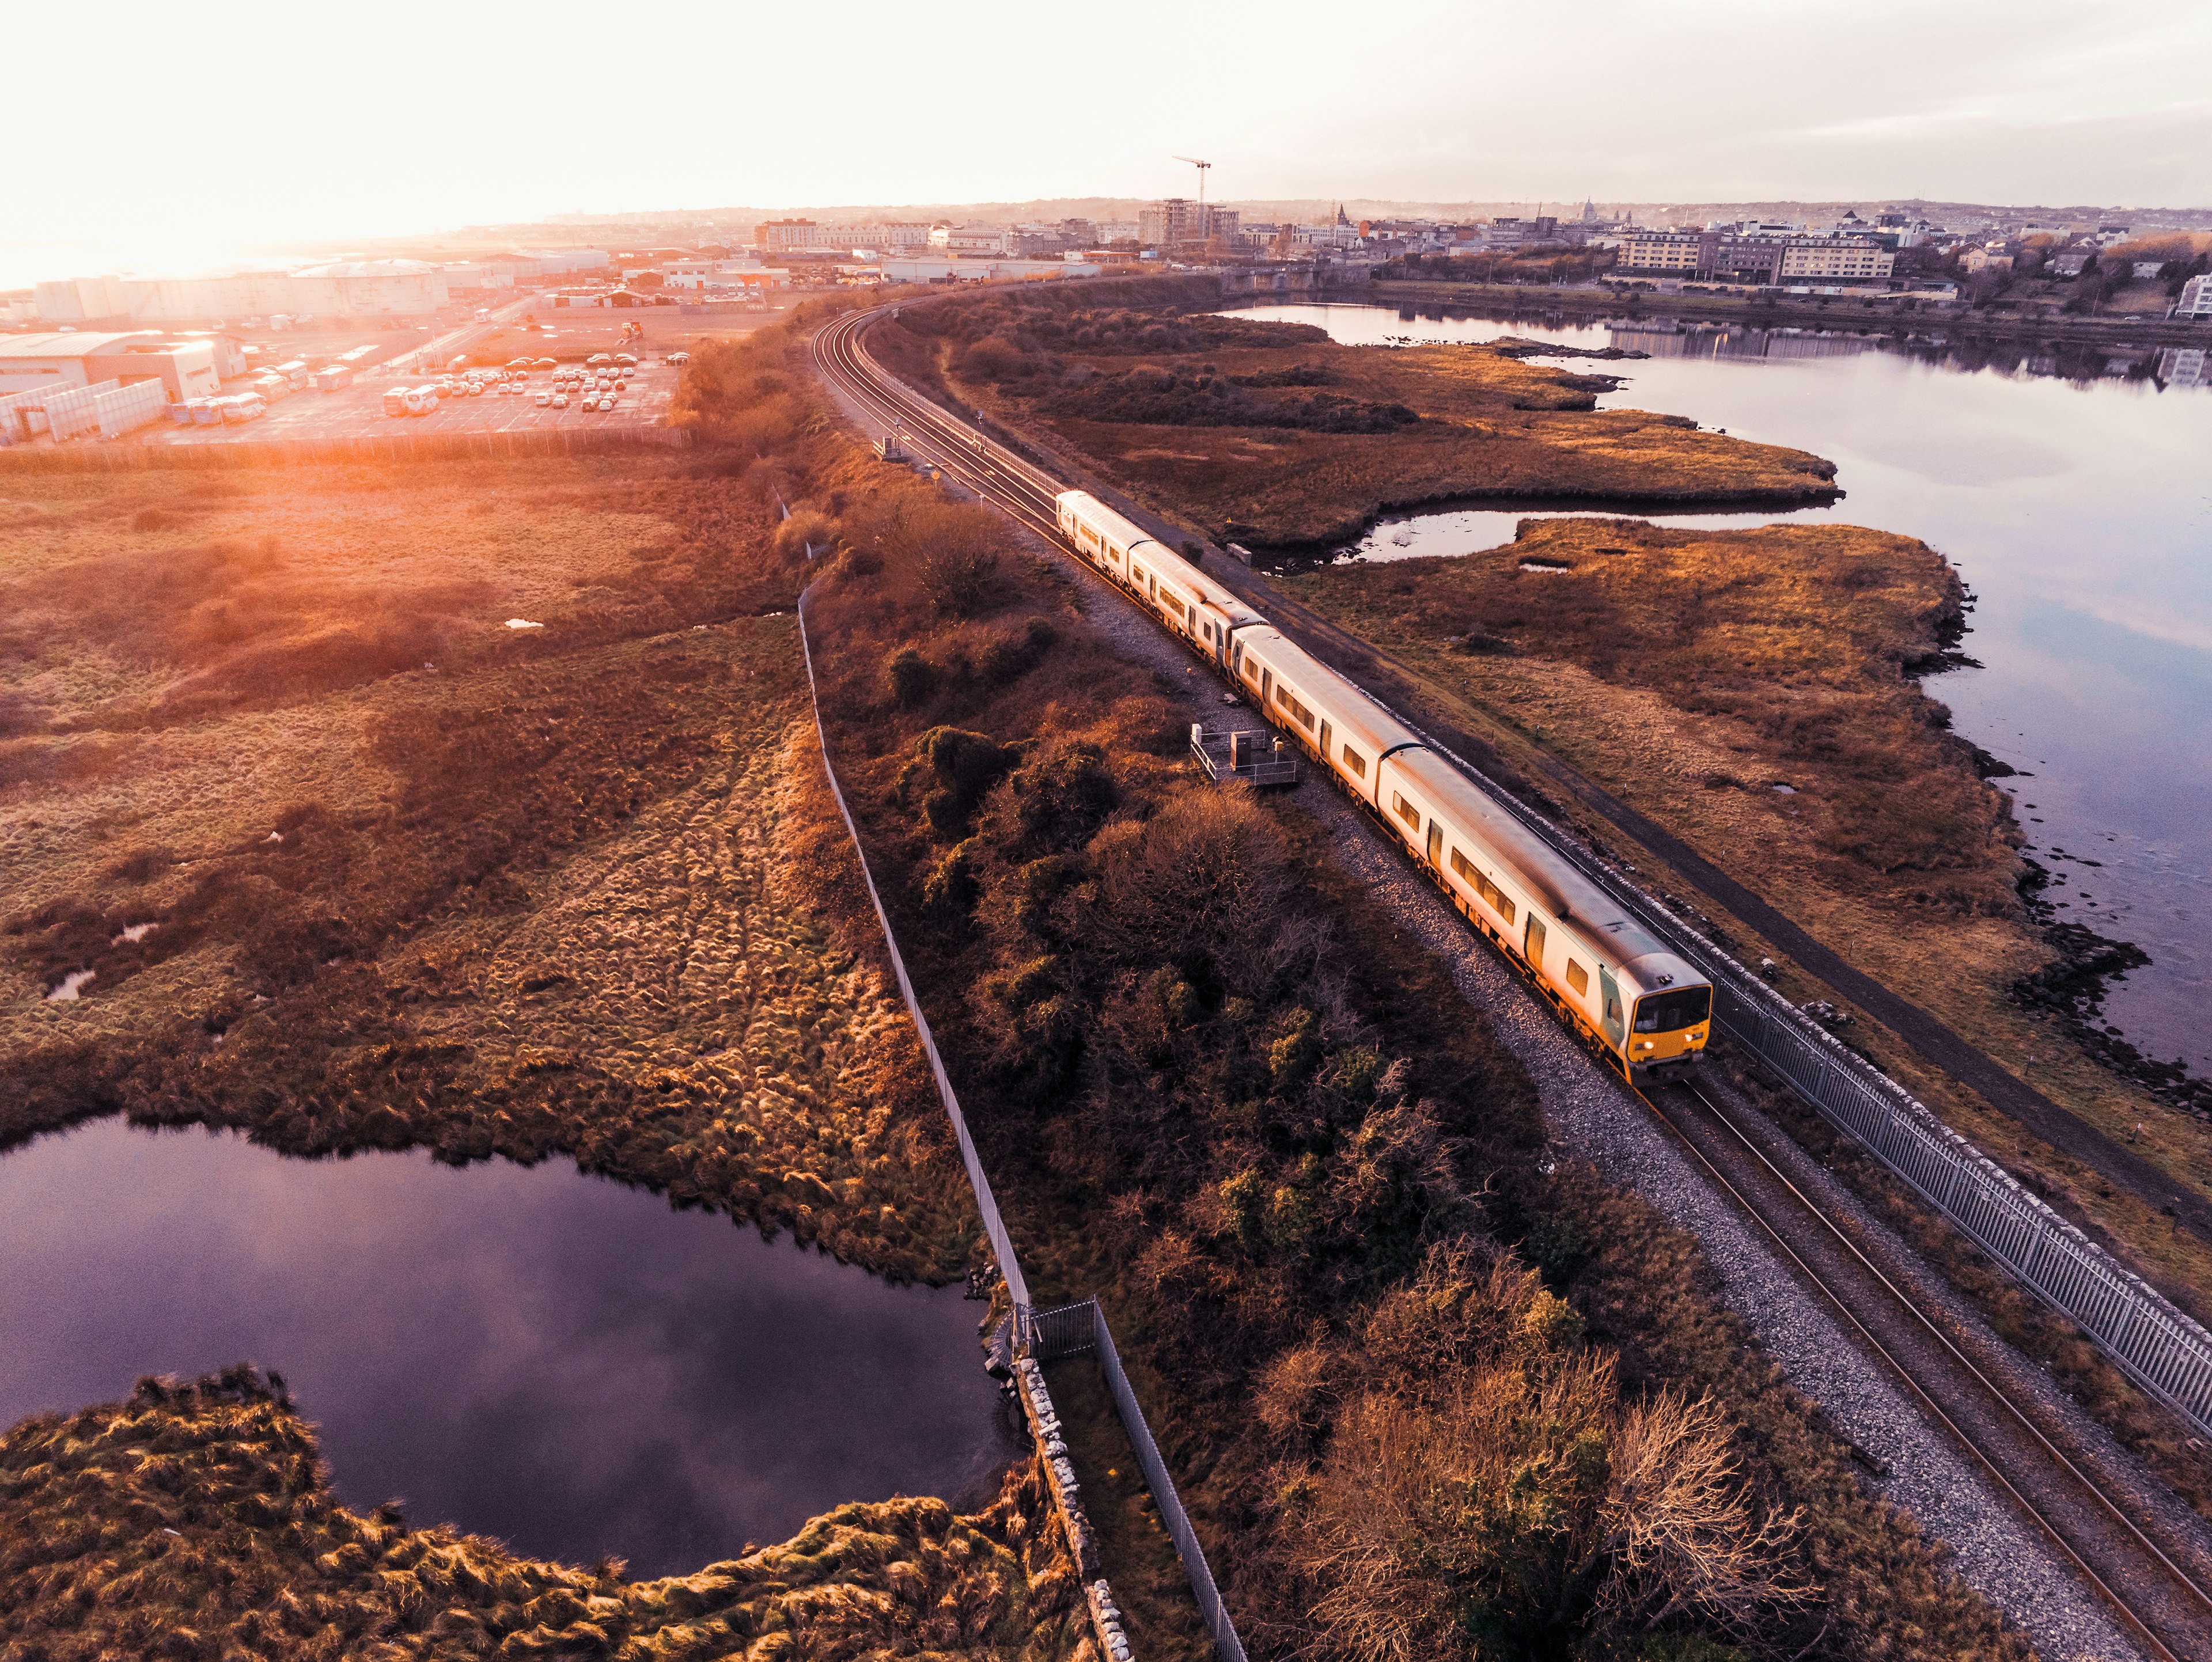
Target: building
x: 1173, y: 220
x: 958, y: 269
x: 971, y: 241
x: 1757, y: 258
x: 1982, y: 259
x: 787, y: 236
x: 2196, y: 299
x: 2146, y: 270
x: 2069, y: 263
x: 2182, y: 366
x: 57, y: 362
x: 349, y: 288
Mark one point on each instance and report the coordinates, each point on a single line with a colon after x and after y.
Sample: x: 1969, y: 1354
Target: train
x: 1647, y: 1009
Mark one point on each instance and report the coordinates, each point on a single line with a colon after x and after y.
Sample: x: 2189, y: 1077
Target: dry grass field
x: 197, y: 1522
x: 416, y: 876
x: 1274, y: 436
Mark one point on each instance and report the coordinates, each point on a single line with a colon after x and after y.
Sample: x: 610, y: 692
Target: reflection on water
x: 549, y: 1358
x: 2070, y: 485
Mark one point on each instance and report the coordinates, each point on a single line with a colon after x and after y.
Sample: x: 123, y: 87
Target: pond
x: 533, y: 1354
x: 2074, y: 491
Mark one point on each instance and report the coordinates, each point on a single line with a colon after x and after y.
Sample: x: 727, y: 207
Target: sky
x: 167, y: 132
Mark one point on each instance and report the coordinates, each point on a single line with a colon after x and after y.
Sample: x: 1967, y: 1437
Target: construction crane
x: 1203, y: 228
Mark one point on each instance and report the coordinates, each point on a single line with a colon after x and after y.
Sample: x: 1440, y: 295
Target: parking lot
x: 358, y: 411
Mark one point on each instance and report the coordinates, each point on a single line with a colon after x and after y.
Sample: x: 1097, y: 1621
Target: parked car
x: 620, y: 382
x: 543, y: 400
x: 559, y: 401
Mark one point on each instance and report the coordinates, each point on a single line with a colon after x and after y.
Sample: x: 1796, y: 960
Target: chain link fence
x: 1050, y: 1333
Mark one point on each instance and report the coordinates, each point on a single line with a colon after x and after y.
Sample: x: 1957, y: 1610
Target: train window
x: 1406, y: 811
x: 1355, y: 761
x: 1299, y: 713
x: 1669, y: 1012
x: 1577, y: 977
x: 1498, y: 902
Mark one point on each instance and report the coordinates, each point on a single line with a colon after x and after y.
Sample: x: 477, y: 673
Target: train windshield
x: 1666, y: 1012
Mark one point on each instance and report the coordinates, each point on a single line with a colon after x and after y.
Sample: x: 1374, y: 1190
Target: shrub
x: 910, y: 677
x: 966, y: 765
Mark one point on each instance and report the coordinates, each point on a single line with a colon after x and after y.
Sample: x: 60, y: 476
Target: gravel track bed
x: 1593, y: 1116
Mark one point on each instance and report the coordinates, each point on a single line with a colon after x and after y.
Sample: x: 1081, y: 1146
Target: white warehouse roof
x: 374, y: 268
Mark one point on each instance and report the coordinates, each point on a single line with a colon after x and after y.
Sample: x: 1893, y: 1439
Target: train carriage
x: 1649, y: 1008
x: 1188, y: 602
x: 1324, y: 714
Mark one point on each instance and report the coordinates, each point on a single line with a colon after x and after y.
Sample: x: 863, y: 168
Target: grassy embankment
x: 197, y: 1523
x: 1272, y: 435
x: 416, y: 878
x: 1406, y: 1378
x: 1691, y: 673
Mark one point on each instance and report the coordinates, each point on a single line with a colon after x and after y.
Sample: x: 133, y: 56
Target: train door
x: 1436, y: 845
x: 1613, y: 1022
x: 1266, y: 686
x: 1324, y: 741
x: 1532, y: 943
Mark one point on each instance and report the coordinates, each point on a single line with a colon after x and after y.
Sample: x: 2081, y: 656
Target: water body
x: 549, y: 1358
x: 2073, y: 493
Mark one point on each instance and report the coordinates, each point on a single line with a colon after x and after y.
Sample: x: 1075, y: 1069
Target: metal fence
x: 1048, y: 1333
x: 1077, y: 1327
x: 2151, y: 1341
x: 1002, y: 1244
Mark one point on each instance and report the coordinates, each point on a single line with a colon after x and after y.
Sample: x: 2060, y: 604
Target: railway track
x: 2038, y: 1465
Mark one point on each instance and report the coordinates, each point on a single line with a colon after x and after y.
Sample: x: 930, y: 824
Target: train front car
x: 1671, y: 1018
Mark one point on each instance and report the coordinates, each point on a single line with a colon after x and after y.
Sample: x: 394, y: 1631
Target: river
x: 553, y: 1359
x: 2074, y: 493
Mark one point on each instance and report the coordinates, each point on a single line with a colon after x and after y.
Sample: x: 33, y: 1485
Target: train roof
x: 1126, y: 530
x: 1569, y: 897
x: 1356, y: 715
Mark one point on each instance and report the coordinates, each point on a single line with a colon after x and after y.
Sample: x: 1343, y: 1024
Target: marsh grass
x: 1218, y: 419
x: 196, y: 1521
x: 419, y: 879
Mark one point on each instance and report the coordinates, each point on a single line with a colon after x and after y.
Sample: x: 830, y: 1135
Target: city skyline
x: 306, y: 131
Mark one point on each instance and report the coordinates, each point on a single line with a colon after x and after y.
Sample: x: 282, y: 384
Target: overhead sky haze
x: 239, y: 121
